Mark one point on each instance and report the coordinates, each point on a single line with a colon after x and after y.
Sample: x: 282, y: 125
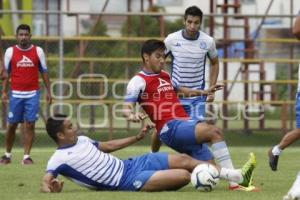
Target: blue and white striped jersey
x: 188, y: 58
x: 86, y: 165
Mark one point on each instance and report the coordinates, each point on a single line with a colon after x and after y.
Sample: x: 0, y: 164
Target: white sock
x: 276, y: 150
x: 222, y: 156
x: 25, y: 156
x: 231, y: 175
x: 295, y: 191
x: 8, y: 155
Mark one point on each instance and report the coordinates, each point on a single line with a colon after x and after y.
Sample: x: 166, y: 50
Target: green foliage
x: 282, y: 74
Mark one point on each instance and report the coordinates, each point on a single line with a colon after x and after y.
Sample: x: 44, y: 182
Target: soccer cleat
x: 250, y: 188
x: 27, y: 161
x: 273, y: 160
x: 5, y: 160
x: 247, y: 170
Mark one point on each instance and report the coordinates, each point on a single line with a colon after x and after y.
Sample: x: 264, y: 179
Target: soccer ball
x: 205, y: 177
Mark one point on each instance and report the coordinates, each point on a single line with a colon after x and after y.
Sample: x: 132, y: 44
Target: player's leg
x: 31, y: 110
x: 172, y: 179
x: 208, y: 133
x: 242, y: 176
x: 159, y: 171
x: 15, y: 115
x: 294, y: 192
x: 288, y: 139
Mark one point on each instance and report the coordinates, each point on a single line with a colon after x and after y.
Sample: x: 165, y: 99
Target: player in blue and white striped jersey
x: 189, y: 49
x: 87, y: 163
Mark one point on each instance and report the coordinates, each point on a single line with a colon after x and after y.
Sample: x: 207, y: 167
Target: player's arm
x: 5, y: 73
x: 51, y: 184
x: 130, y: 115
x: 4, y: 87
x: 114, y: 145
x: 44, y: 73
x: 189, y: 92
x: 46, y: 80
x: 296, y: 27
x: 214, y: 69
x: 134, y: 88
x: 155, y: 142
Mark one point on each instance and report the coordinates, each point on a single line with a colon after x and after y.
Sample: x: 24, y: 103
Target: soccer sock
x: 8, y: 155
x: 231, y: 175
x: 25, y: 156
x: 276, y: 150
x: 222, y: 156
x: 294, y: 191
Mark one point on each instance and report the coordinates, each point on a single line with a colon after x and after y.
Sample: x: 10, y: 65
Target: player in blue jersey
x: 87, y: 163
x: 292, y: 136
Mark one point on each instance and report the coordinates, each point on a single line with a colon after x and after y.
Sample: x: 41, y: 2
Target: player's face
x: 192, y: 25
x: 69, y: 135
x: 23, y: 38
x: 157, y: 60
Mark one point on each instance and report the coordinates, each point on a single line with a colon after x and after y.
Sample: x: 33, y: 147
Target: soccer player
x: 89, y: 164
x: 189, y: 48
x: 292, y: 136
x: 153, y: 90
x: 22, y: 63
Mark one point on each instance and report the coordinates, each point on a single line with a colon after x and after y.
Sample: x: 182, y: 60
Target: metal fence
x: 89, y: 74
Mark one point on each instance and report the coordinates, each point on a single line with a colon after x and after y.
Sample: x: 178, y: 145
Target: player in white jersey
x: 292, y: 136
x: 189, y: 48
x: 87, y: 163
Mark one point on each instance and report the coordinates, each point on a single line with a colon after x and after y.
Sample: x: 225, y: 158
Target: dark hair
x: 193, y: 11
x: 54, y: 125
x: 152, y: 45
x: 23, y: 27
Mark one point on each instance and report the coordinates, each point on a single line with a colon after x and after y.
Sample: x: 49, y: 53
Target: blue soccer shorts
x: 23, y: 109
x: 195, y: 107
x: 180, y: 136
x: 138, y: 170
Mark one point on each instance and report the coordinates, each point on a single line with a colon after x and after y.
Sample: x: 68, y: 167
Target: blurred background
x: 93, y: 48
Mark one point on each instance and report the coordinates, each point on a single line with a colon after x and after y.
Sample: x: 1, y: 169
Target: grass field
x: 22, y: 182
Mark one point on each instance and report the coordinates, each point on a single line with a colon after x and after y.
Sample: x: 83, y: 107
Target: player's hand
x: 214, y: 88
x: 144, y: 131
x: 49, y: 98
x: 56, y: 185
x: 137, y: 117
x: 210, y: 97
x: 4, y: 97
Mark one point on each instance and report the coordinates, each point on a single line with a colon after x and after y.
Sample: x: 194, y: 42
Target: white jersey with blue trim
x: 189, y: 57
x: 86, y: 165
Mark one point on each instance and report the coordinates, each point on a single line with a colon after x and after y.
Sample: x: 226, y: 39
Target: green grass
x: 23, y: 182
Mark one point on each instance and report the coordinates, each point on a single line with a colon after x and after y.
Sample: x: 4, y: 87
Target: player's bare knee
x: 186, y: 176
x: 29, y: 124
x: 184, y: 160
x: 12, y: 126
x: 217, y: 134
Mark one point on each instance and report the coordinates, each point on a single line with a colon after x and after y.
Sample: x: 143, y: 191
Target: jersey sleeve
x: 94, y: 142
x: 134, y: 88
x: 42, y: 65
x: 212, y: 52
x: 167, y: 42
x: 7, y: 59
x: 53, y: 165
